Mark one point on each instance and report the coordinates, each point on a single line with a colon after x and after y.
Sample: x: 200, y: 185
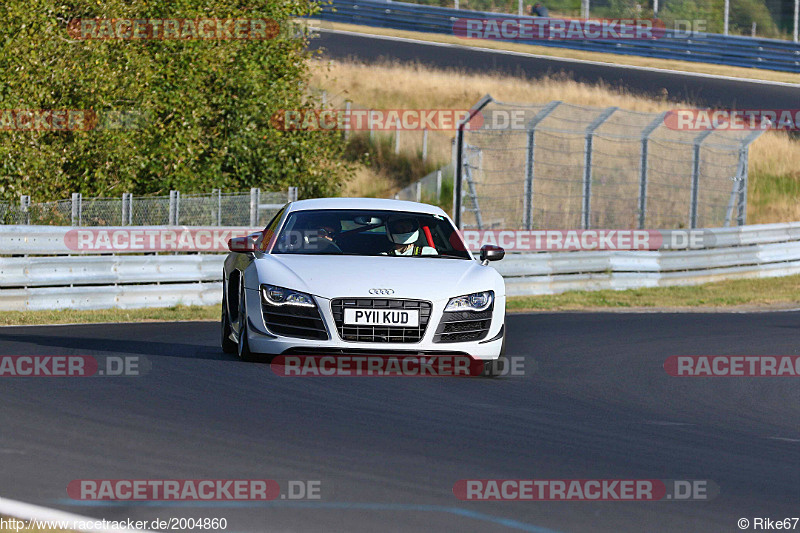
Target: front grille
x: 293, y: 321
x: 380, y: 333
x: 464, y: 326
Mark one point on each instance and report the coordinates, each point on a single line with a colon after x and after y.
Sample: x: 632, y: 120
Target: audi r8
x: 358, y: 275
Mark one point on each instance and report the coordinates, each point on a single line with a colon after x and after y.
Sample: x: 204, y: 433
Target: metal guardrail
x: 769, y: 54
x: 38, y: 281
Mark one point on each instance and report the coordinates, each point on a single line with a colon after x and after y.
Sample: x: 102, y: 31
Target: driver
x: 322, y: 231
x: 404, y: 233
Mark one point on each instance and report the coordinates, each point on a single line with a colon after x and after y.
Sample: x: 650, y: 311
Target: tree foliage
x: 201, y: 107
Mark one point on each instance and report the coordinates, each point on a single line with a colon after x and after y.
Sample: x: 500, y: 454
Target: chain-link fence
x: 567, y: 166
x: 253, y: 208
x: 436, y: 188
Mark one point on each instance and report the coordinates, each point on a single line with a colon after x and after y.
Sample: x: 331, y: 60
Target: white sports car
x: 358, y: 275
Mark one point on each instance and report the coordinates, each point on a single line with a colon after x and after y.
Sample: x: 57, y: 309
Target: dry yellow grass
x: 774, y: 169
x: 367, y: 183
x: 669, y: 64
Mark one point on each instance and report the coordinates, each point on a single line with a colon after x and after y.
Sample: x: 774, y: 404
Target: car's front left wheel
x: 228, y: 346
x: 243, y: 347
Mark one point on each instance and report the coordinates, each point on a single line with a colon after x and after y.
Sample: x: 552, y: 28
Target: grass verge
x: 72, y: 316
x: 769, y: 293
x: 617, y: 59
x: 776, y: 293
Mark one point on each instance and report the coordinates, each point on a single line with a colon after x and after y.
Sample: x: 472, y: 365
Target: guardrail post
x: 459, y: 152
x: 174, y: 207
x: 586, y: 209
x: 424, y: 144
x: 25, y: 207
x: 643, y: 168
x: 698, y: 141
x: 529, y: 161
x: 255, y: 199
x: 77, y: 208
x: 292, y: 195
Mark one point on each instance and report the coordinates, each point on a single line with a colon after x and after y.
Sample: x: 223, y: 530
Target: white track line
x: 556, y: 58
x: 27, y: 511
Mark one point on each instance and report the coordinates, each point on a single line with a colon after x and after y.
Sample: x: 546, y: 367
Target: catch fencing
x: 215, y: 209
x: 570, y: 166
x: 38, y: 272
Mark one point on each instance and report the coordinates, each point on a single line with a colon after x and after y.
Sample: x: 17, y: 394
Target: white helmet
x: 403, y: 230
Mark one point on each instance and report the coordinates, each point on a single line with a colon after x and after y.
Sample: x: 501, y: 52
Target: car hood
x: 335, y: 276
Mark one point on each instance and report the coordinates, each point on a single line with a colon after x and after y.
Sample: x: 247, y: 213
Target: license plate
x: 408, y: 318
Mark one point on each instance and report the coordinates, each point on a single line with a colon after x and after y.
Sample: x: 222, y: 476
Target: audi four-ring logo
x: 381, y: 291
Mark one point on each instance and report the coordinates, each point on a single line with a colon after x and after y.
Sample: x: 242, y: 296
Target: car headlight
x: 279, y: 296
x: 477, y: 301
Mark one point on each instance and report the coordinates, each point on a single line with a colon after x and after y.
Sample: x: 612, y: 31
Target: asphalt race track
x: 699, y: 90
x: 595, y: 403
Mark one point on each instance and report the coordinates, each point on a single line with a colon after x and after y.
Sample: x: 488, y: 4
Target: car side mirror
x: 244, y: 244
x: 490, y: 252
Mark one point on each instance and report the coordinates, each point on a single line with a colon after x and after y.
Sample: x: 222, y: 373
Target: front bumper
x: 261, y: 340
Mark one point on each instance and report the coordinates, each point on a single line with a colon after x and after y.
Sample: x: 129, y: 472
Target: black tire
x: 496, y: 367
x: 228, y: 346
x: 243, y: 346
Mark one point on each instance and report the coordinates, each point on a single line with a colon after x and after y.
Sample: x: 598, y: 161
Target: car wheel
x: 496, y: 367
x: 243, y: 347
x: 228, y: 346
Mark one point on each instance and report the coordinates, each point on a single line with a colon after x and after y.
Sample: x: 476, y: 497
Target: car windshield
x: 369, y: 233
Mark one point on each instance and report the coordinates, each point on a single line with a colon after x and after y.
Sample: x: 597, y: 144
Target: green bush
x: 204, y: 106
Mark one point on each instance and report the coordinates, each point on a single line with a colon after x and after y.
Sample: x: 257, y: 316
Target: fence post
x: 741, y: 215
x: 586, y: 210
x: 217, y: 193
x: 424, y: 144
x: 696, y: 176
x: 397, y: 127
x: 369, y: 125
x: 439, y: 186
x: 255, y: 197
x: 529, y: 159
x: 292, y: 195
x: 127, y: 199
x: 459, y: 166
x: 77, y: 208
x: 25, y: 207
x: 347, y: 123
x: 174, y: 207
x: 643, y: 168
